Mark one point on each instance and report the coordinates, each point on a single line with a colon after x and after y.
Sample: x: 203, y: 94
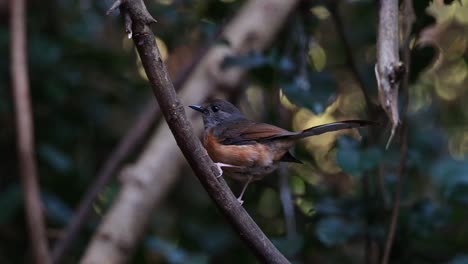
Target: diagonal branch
x: 25, y: 131
x: 134, y: 137
x: 407, y: 20
x: 125, y: 223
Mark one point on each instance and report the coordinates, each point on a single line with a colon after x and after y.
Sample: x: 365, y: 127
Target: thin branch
x: 25, y: 132
x: 134, y: 137
x: 125, y: 223
x: 408, y: 18
x: 389, y: 70
x: 287, y: 203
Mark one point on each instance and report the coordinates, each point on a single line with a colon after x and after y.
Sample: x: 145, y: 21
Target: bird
x: 246, y: 150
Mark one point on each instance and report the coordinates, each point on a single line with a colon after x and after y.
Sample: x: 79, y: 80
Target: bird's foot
x: 220, y: 170
x: 240, y: 200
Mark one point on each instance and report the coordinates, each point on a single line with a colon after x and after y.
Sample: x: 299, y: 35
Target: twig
x: 389, y: 70
x: 408, y: 18
x: 25, y: 132
x: 134, y: 137
x: 284, y: 187
x: 125, y: 223
x: 286, y: 202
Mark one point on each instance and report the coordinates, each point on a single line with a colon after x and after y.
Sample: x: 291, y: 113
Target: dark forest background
x: 88, y: 88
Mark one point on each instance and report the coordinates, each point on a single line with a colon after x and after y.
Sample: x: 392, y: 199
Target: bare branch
x: 127, y: 145
x: 407, y: 18
x: 389, y: 70
x: 287, y: 202
x: 25, y: 132
x: 134, y: 137
x: 127, y: 220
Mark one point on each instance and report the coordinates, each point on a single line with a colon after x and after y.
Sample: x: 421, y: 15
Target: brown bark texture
x: 147, y: 181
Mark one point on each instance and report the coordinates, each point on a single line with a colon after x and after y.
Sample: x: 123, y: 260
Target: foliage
x: 87, y: 90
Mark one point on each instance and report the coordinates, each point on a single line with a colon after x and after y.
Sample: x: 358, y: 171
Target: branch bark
x: 134, y: 137
x: 125, y: 223
x: 25, y: 132
x: 389, y: 70
x: 407, y: 20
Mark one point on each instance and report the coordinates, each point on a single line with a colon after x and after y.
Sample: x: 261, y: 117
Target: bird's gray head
x: 216, y: 112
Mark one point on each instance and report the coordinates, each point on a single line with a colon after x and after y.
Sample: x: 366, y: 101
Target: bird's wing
x: 244, y: 133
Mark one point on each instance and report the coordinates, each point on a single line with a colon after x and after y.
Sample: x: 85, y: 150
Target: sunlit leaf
x: 297, y: 185
x: 306, y: 206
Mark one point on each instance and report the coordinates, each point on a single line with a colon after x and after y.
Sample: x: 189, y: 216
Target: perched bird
x: 248, y: 150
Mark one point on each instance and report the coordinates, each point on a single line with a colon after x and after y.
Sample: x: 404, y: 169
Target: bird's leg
x: 220, y: 171
x: 239, y: 199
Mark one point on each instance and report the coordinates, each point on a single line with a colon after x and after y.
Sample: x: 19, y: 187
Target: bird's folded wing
x: 249, y: 133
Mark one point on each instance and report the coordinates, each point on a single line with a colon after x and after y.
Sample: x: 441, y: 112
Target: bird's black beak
x: 197, y: 108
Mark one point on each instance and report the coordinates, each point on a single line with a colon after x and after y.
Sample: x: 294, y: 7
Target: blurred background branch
x: 407, y: 19
x: 108, y: 241
x: 88, y: 87
x: 25, y: 132
x: 129, y: 143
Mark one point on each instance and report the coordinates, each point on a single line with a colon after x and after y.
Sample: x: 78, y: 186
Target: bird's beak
x: 197, y: 108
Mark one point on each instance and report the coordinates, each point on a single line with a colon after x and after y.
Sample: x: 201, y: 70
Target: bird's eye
x: 215, y: 108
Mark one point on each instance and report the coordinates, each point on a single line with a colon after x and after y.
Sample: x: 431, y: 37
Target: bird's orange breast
x: 238, y: 155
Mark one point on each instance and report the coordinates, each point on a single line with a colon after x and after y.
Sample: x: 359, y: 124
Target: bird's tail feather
x: 317, y: 130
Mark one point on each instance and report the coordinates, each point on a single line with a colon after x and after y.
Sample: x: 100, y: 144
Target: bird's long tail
x: 317, y: 130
